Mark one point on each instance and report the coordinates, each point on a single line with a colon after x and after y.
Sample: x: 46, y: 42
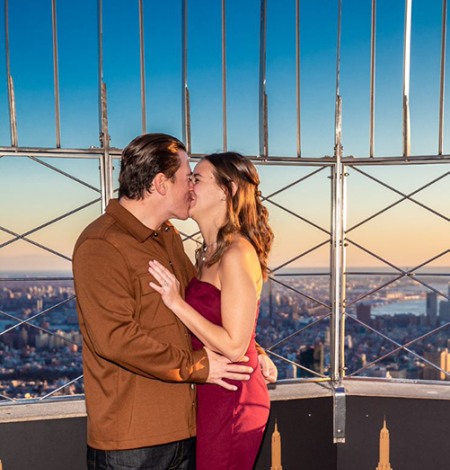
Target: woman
x: 221, y: 306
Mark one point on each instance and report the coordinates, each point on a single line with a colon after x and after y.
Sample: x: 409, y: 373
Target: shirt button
x: 167, y: 229
x: 155, y: 234
x: 192, y: 386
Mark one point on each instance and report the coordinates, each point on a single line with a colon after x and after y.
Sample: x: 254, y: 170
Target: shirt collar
x: 130, y: 223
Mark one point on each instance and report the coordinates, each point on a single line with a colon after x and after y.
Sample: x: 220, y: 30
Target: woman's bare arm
x: 238, y: 303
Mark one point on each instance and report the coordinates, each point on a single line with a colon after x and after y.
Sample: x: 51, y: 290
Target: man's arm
x: 107, y: 306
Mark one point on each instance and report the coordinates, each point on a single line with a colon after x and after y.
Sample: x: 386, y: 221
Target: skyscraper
x: 432, y: 309
x: 444, y: 309
x: 363, y: 313
x: 384, y: 463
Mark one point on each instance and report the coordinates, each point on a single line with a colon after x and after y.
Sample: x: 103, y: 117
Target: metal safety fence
x: 337, y: 311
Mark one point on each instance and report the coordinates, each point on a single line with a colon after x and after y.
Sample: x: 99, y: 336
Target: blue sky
x: 31, y: 67
x: 32, y: 71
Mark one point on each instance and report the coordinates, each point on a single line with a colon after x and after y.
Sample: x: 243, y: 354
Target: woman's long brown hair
x: 246, y: 214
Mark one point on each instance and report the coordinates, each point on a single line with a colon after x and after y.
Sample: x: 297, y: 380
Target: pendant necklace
x: 205, y: 248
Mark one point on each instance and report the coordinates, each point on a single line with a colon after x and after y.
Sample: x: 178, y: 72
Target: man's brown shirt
x: 137, y: 355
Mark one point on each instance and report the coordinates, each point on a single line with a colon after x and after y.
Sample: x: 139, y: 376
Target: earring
x: 224, y: 199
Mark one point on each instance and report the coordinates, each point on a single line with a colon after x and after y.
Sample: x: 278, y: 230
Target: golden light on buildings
x: 276, y: 450
x: 384, y: 463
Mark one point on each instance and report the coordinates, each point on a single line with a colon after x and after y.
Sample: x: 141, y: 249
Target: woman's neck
x: 209, y: 230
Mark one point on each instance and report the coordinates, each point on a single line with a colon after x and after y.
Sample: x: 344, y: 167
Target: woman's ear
x: 234, y: 188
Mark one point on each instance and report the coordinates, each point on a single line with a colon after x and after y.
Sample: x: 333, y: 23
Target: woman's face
x: 208, y: 199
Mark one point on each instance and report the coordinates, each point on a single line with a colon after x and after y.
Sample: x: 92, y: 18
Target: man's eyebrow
x: 197, y: 174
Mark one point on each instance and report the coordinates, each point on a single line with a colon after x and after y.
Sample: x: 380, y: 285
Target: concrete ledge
x: 282, y: 391
x: 39, y: 411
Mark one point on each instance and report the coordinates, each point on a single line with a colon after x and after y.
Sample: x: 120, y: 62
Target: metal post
x: 263, y: 131
x: 142, y: 56
x: 56, y: 76
x: 406, y: 80
x: 106, y: 168
x: 338, y: 262
x: 224, y: 79
x: 185, y: 117
x: 11, y: 98
x: 372, y: 79
x: 442, y: 85
x: 297, y: 50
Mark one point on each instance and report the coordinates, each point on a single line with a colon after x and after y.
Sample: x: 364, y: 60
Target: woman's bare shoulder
x: 240, y: 255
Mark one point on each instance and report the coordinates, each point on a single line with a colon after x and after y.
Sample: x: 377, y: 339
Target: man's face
x: 180, y: 190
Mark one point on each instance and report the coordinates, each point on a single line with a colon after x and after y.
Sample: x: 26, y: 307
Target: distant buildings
x: 444, y: 309
x: 432, y: 309
x: 441, y: 359
x: 363, y: 313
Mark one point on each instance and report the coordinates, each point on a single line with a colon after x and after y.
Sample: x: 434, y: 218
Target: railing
x: 336, y: 237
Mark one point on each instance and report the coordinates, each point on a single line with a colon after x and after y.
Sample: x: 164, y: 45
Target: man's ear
x: 160, y: 184
x: 234, y: 188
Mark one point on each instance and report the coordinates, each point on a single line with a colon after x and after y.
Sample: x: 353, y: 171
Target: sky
x: 31, y: 194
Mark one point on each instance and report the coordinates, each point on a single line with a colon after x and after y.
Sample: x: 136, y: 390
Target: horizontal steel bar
x: 301, y: 274
x: 23, y: 279
x: 95, y: 152
x: 399, y: 381
x: 377, y: 273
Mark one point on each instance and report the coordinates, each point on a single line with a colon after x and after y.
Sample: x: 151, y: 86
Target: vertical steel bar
x: 100, y: 64
x: 263, y: 131
x: 106, y: 168
x: 337, y: 349
x: 406, y: 80
x: 297, y: 50
x: 372, y: 79
x: 56, y: 76
x: 185, y: 106
x: 442, y: 84
x: 224, y: 79
x: 11, y: 98
x: 142, y: 56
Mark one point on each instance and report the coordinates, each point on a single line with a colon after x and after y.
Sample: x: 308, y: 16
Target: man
x: 139, y: 367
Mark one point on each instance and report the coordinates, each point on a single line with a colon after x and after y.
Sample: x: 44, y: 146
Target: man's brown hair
x: 143, y: 158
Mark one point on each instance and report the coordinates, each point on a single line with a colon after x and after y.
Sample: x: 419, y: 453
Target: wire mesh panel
x: 40, y: 342
x: 375, y: 229
x: 397, y: 309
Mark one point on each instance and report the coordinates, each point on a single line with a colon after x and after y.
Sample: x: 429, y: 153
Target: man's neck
x: 148, y: 212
